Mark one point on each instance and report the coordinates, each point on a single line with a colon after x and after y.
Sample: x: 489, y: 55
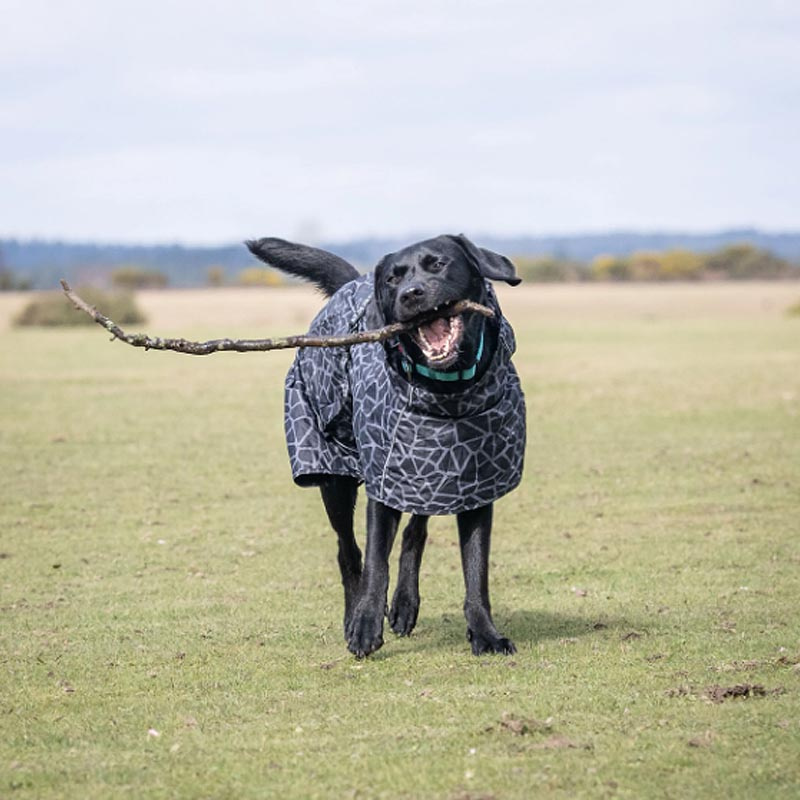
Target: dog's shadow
x: 524, y: 627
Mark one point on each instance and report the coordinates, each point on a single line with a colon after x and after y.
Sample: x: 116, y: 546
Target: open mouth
x: 439, y: 339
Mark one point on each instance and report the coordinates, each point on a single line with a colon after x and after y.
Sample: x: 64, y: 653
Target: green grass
x: 161, y: 574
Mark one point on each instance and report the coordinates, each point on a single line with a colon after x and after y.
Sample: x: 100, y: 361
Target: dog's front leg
x: 339, y: 494
x: 405, y: 602
x: 474, y: 533
x: 365, y: 632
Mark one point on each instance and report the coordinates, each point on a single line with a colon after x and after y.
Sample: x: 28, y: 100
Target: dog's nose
x: 411, y: 294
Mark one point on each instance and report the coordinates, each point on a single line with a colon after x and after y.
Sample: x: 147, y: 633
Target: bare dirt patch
x: 719, y: 694
x: 548, y: 739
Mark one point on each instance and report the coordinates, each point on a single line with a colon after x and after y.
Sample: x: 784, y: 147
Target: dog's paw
x: 348, y: 622
x: 403, y: 613
x: 488, y: 643
x: 364, y: 632
x: 351, y: 597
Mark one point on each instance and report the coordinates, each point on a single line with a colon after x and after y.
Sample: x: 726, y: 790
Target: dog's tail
x: 325, y: 270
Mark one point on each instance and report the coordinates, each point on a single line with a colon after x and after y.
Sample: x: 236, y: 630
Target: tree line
x: 732, y: 262
x: 742, y: 261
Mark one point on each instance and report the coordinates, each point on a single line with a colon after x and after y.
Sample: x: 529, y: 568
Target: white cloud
x: 201, y: 122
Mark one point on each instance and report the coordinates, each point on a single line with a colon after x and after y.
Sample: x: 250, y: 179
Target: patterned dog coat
x: 347, y: 412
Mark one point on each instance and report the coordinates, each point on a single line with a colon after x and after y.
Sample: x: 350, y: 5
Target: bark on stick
x: 256, y: 345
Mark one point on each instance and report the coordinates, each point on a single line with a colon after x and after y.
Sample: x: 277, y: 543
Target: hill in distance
x: 43, y: 263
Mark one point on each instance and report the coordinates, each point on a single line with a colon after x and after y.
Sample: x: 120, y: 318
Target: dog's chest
x: 348, y: 412
x: 436, y: 454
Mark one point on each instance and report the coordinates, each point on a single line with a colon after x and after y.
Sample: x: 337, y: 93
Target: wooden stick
x: 254, y: 345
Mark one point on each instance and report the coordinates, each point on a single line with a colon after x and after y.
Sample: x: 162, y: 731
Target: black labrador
x: 432, y: 421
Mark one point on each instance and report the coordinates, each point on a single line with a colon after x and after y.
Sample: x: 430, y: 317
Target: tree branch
x: 251, y: 345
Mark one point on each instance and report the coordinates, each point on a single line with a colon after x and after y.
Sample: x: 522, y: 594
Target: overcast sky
x: 207, y: 122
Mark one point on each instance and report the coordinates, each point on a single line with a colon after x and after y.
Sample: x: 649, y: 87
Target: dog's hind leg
x: 339, y: 494
x: 365, y: 631
x: 474, y: 533
x: 405, y: 601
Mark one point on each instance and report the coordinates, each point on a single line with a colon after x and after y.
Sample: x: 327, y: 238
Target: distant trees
x: 680, y: 265
x: 742, y: 261
x: 133, y: 277
x: 549, y: 269
x: 259, y: 276
x: 9, y: 282
x: 671, y: 265
x: 733, y: 262
x: 610, y: 268
x: 739, y: 261
x: 215, y: 276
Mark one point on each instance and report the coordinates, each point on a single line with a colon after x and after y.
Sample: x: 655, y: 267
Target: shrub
x: 138, y: 278
x: 742, y: 261
x: 548, y: 269
x: 215, y: 276
x: 259, y: 276
x: 645, y: 266
x: 9, y: 282
x: 794, y: 309
x: 610, y: 268
x: 53, y: 308
x: 670, y: 265
x: 681, y: 265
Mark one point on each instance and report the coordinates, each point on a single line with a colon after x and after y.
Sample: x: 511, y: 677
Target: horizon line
x: 418, y: 236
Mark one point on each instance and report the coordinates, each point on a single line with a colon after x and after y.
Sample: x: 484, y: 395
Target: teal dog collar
x: 442, y: 374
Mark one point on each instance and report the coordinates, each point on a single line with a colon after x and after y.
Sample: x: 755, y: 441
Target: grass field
x: 171, y: 608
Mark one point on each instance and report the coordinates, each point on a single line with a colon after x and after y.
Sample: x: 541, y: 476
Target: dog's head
x: 433, y: 275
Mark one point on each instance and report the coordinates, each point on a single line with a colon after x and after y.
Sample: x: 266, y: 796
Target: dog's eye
x: 434, y: 265
x: 396, y: 275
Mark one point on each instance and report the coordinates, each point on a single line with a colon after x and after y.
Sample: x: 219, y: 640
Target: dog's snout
x: 412, y: 294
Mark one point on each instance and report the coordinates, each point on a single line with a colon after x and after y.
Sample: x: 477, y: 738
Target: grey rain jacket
x: 347, y: 412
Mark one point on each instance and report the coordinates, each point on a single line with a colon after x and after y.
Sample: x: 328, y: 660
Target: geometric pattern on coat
x: 347, y: 412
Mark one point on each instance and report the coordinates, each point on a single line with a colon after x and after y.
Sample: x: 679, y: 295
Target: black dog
x: 433, y: 422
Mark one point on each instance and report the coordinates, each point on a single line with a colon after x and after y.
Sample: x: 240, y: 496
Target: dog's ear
x: 379, y: 309
x: 326, y: 270
x: 489, y: 264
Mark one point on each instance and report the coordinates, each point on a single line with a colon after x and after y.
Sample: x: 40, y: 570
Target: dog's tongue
x: 437, y: 331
